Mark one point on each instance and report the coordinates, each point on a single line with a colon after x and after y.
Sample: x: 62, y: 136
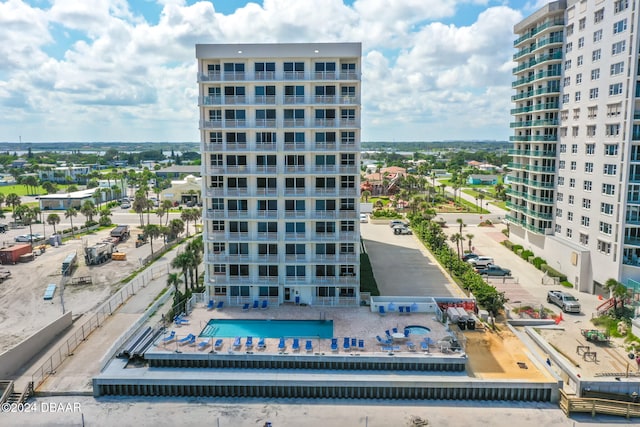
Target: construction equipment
x: 119, y: 256
x: 4, y: 275
x: 121, y: 232
x: 142, y: 239
x: 98, y: 253
x: 594, y: 335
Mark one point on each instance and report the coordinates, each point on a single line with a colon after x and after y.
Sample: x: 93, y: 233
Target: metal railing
x: 95, y: 320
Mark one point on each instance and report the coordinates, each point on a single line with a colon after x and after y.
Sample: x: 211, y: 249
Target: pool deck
x: 357, y: 322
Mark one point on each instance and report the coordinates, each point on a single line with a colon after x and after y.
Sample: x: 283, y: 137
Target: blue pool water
x: 265, y: 328
x: 418, y: 330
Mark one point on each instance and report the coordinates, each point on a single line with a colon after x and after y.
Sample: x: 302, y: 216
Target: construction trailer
x: 69, y: 264
x: 121, y: 232
x: 98, y: 253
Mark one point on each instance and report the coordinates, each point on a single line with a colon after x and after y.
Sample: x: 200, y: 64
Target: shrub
x: 537, y: 262
x: 526, y: 254
x: 508, y: 244
x: 515, y: 248
x: 553, y: 273
x: 566, y: 284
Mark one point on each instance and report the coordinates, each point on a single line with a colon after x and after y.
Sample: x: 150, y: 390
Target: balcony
x: 265, y: 100
x: 293, y: 99
x: 538, y: 138
x: 537, y: 107
x: 218, y: 76
x: 295, y: 237
x: 537, y: 92
x: 540, y: 44
x: 532, y: 153
x: 266, y: 236
x: 265, y: 75
x: 265, y: 214
x: 293, y: 123
x: 209, y: 100
x: 292, y: 191
x: 529, y: 34
x: 532, y: 123
x: 295, y: 146
x: 266, y: 123
x: 556, y: 56
x: 295, y: 214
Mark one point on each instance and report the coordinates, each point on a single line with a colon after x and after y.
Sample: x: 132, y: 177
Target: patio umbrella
x: 392, y: 306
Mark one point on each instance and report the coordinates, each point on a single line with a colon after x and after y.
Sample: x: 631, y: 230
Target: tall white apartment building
x: 575, y: 192
x: 280, y: 140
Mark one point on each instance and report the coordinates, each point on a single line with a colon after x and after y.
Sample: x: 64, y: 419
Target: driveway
x: 402, y: 266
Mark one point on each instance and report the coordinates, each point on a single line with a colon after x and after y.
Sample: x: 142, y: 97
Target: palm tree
x: 53, y: 219
x: 457, y: 239
x: 105, y: 213
x: 186, y: 217
x: 481, y: 198
x: 461, y: 223
x: 196, y: 247
x: 365, y: 195
x: 173, y: 279
x: 69, y: 214
x: 13, y: 200
x: 29, y: 218
x: 166, y: 205
x: 153, y: 232
x: 176, y: 227
x: 89, y: 210
x: 469, y: 238
x: 1, y: 199
x: 140, y: 203
x: 182, y: 262
x: 618, y: 291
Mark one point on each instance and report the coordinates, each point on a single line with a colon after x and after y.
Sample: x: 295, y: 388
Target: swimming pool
x: 266, y: 328
x: 418, y: 330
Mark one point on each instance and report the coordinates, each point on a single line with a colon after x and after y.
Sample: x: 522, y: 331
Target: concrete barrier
x: 12, y: 360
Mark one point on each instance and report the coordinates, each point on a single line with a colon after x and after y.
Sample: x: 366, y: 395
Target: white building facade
x: 575, y: 191
x: 280, y: 141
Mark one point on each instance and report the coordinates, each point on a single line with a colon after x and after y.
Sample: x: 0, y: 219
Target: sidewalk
x: 75, y: 373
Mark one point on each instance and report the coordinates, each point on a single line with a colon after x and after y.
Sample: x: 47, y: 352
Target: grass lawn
x: 20, y: 190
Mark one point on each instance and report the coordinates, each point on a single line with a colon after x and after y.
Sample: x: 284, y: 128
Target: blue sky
x: 118, y: 70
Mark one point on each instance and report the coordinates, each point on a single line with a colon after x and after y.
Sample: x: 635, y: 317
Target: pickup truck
x: 568, y: 303
x: 493, y: 270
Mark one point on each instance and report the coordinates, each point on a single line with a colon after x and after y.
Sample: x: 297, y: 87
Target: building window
x: 569, y: 47
x: 578, y: 78
x: 584, y: 221
x: 560, y: 196
x: 558, y: 228
x: 597, y: 36
x: 582, y: 23
x: 570, y: 216
x: 617, y: 68
x: 584, y: 239
x: 569, y: 233
x: 572, y: 183
x: 590, y: 149
x: 567, y: 64
x: 561, y: 180
x: 580, y: 42
x: 217, y: 182
x: 571, y: 199
x: 325, y: 227
x: 615, y: 89
x: 618, y: 47
x: 559, y: 213
x: 604, y: 247
x: 598, y: 15
x: 591, y: 130
x: 605, y: 227
x: 593, y: 93
x: 620, y: 26
x: 569, y: 29
x: 613, y: 129
x: 595, y: 74
x: 586, y: 203
x: 620, y: 5
x: 611, y: 149
x: 609, y: 169
x: 574, y: 130
x: 567, y: 81
x: 606, y: 208
x: 296, y: 271
x: 574, y: 148
x: 563, y: 148
x: 561, y: 164
x: 595, y: 55
x: 577, y: 97
x: 588, y: 167
x: 613, y: 110
x: 269, y: 249
x: 564, y: 115
x: 576, y: 114
x: 241, y: 270
x: 217, y: 225
x: 565, y: 98
x: 573, y: 165
x: 592, y: 112
x: 609, y: 189
x: 580, y: 60
x: 587, y: 185
x: 235, y: 183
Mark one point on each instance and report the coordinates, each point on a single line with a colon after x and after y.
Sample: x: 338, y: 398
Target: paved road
x: 402, y: 266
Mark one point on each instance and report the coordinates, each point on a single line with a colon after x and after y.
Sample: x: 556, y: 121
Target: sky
x: 118, y: 70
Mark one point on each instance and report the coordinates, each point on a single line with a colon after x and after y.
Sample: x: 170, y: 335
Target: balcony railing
x: 537, y: 76
x: 537, y: 107
x: 538, y: 29
x: 537, y: 61
x: 217, y: 76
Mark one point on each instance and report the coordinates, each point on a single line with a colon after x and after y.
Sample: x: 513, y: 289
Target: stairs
x: 10, y: 395
x: 605, y: 306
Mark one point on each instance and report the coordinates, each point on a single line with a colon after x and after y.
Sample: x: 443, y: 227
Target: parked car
x: 4, y: 228
x: 27, y: 238
x: 396, y: 222
x: 567, y: 302
x: 468, y: 256
x: 401, y: 229
x: 481, y: 261
x: 364, y: 218
x: 493, y: 270
x: 125, y: 205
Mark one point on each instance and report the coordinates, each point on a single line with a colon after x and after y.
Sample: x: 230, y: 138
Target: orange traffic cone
x: 561, y: 318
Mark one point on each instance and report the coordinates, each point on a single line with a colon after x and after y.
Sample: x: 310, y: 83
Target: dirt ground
x: 496, y: 355
x: 23, y: 310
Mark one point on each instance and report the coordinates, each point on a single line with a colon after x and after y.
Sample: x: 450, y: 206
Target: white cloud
x: 134, y: 80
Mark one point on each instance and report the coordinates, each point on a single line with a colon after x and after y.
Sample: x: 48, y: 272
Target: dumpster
x: 462, y: 324
x: 471, y: 324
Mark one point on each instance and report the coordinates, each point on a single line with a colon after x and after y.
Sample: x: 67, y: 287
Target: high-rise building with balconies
x: 575, y: 180
x: 280, y: 140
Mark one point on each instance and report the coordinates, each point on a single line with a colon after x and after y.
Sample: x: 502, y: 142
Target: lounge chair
x: 297, y: 300
x: 408, y: 309
x: 282, y: 345
x: 382, y: 311
x: 406, y: 333
x: 219, y: 306
x: 424, y: 346
x: 189, y: 339
x: 211, y: 305
x: 388, y: 334
x: 204, y: 344
x: 237, y: 343
x: 394, y: 330
x: 361, y: 345
x: 249, y: 343
x: 256, y: 304
x: 308, y: 346
x: 261, y: 345
x: 170, y: 337
x: 334, y: 345
x: 218, y: 344
x: 245, y: 307
x: 296, y: 344
x: 346, y: 344
x: 401, y: 309
x: 411, y: 346
x: 383, y: 341
x: 354, y: 343
x: 265, y: 304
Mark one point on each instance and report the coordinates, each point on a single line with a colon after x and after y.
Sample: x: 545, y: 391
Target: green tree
x: 173, y: 279
x: 14, y: 201
x: 89, y: 210
x: 53, y: 219
x: 153, y: 232
x: 182, y: 262
x: 69, y: 214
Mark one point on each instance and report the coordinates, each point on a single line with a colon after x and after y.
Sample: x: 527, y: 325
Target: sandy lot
x: 22, y: 308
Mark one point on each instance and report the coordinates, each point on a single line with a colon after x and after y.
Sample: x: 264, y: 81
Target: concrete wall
x: 13, y: 359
